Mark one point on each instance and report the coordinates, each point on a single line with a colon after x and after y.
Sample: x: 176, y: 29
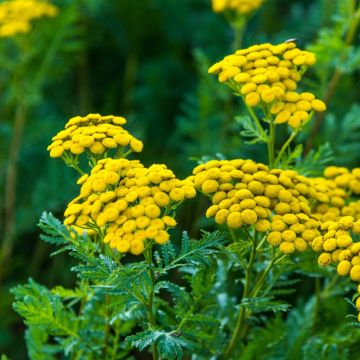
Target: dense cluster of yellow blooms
x: 294, y: 212
x: 338, y: 185
x: 242, y: 6
x: 128, y: 203
x: 267, y: 75
x: 337, y: 247
x: 274, y: 201
x: 345, y: 179
x: 289, y: 207
x: 16, y: 15
x: 94, y: 134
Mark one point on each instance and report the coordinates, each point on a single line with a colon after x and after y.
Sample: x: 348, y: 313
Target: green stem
x: 116, y: 341
x: 241, y: 315
x: 77, y: 168
x: 232, y: 233
x: 317, y: 304
x: 261, y: 243
x: 284, y: 147
x: 262, y: 278
x: 326, y: 292
x: 10, y: 187
x: 239, y: 29
x: 150, y: 303
x: 257, y: 121
x: 72, y: 162
x: 271, y: 143
x: 107, y: 326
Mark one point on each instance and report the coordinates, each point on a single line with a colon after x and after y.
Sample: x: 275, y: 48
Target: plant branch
x: 150, y: 303
x: 262, y: 278
x: 107, y: 326
x: 241, y: 315
x: 10, y: 187
x: 271, y: 143
x: 285, y: 146
x: 257, y: 121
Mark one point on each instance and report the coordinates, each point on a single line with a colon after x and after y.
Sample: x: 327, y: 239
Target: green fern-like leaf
x: 170, y: 345
x: 38, y: 306
x: 257, y: 305
x: 250, y: 131
x: 315, y: 162
x: 192, y: 251
x: 55, y: 232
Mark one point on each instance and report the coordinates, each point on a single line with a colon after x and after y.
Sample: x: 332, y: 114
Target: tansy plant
x: 266, y: 77
x: 138, y: 287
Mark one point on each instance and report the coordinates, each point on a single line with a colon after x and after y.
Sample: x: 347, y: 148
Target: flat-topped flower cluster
x: 267, y: 76
x: 128, y: 203
x: 93, y: 134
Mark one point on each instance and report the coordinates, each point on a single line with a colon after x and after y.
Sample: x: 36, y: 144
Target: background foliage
x: 147, y: 60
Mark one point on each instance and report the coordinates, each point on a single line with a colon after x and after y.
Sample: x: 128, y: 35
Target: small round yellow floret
x: 344, y: 267
x: 324, y: 259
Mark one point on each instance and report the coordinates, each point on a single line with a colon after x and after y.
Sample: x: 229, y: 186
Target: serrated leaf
x: 194, y: 252
x: 257, y: 305
x: 291, y: 156
x: 55, y: 231
x: 250, y: 130
x: 315, y: 162
x: 169, y: 344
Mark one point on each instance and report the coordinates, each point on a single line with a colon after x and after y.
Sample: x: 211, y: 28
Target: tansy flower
x: 16, y: 15
x: 267, y: 75
x: 128, y: 203
x: 93, y: 134
x: 334, y: 192
x: 245, y: 193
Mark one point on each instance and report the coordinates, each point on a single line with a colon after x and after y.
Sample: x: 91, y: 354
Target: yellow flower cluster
x: 94, y: 134
x: 247, y: 193
x: 336, y: 242
x: 337, y: 246
x: 267, y: 75
x: 294, y: 212
x: 242, y: 6
x: 128, y: 202
x: 331, y: 199
x: 292, y: 232
x: 345, y: 179
x: 338, y: 184
x: 16, y: 15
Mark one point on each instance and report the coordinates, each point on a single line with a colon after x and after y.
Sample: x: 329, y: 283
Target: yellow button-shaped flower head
x: 252, y: 99
x: 249, y: 217
x: 152, y: 211
x: 262, y: 225
x: 234, y: 220
x: 162, y: 237
x: 355, y: 273
x: 287, y: 247
x: 136, y: 247
x: 344, y: 267
x: 324, y: 259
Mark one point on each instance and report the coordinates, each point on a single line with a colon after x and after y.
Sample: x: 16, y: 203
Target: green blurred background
x: 145, y: 60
